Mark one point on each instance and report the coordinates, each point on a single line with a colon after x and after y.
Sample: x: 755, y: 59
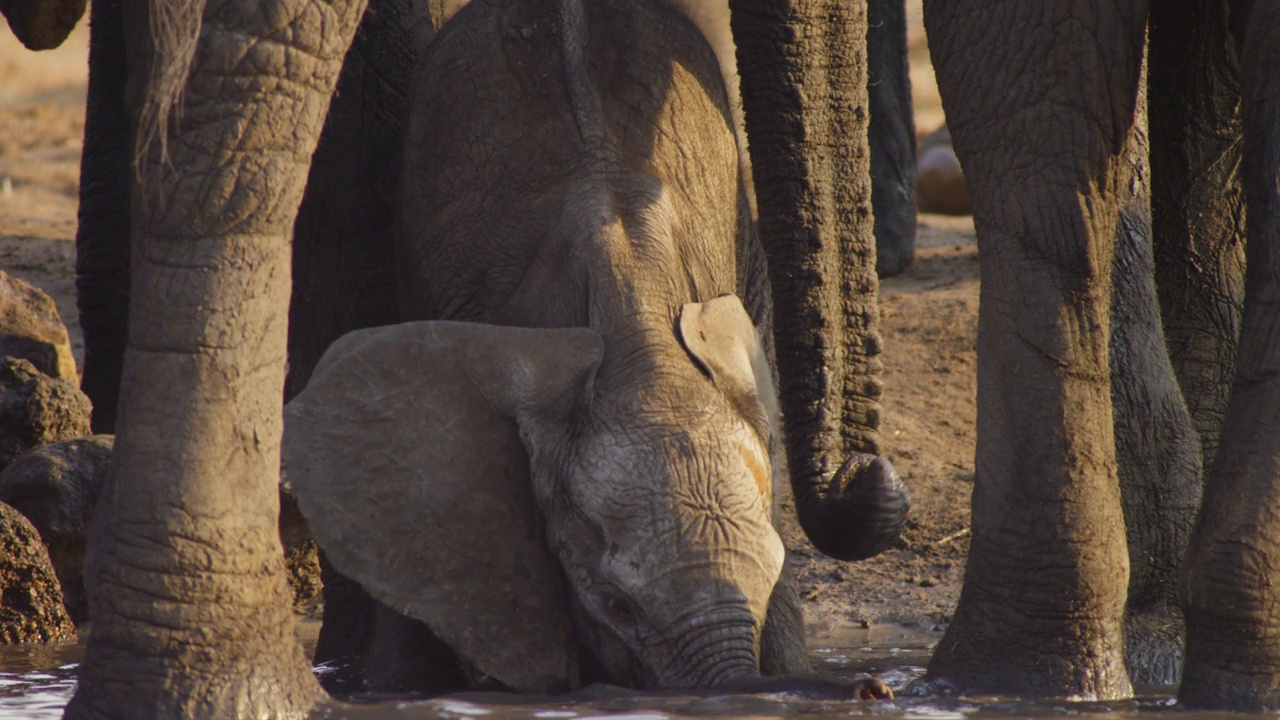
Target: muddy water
x: 37, y: 681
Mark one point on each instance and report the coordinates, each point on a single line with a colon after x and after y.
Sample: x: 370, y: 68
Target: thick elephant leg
x: 1198, y: 204
x: 1232, y: 573
x: 192, y: 612
x: 802, y: 74
x: 343, y: 256
x: 1041, y: 122
x: 102, y: 235
x: 892, y: 136
x: 1157, y: 450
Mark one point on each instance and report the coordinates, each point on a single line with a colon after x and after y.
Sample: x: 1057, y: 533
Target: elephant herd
x: 538, y: 316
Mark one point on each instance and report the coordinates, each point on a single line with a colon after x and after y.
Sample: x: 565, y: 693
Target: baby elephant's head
x: 547, y: 505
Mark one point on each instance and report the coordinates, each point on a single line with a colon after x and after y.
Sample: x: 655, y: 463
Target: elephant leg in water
x: 1047, y: 518
x: 1231, y: 590
x: 184, y: 548
x: 1044, y: 445
x: 342, y: 265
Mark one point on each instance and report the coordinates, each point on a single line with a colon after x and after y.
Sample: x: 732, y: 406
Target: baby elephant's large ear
x: 718, y: 334
x: 407, y: 462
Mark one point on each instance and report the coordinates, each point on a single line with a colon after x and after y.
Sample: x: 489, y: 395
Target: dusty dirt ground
x: 929, y: 324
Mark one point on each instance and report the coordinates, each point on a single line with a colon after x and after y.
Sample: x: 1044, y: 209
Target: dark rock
x: 36, y: 409
x: 31, y: 329
x: 30, y: 600
x: 56, y: 487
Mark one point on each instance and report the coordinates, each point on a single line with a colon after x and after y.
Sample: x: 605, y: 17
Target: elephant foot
x: 1153, y: 645
x: 862, y: 512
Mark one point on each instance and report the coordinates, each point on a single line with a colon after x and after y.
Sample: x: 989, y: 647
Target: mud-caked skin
x: 191, y: 610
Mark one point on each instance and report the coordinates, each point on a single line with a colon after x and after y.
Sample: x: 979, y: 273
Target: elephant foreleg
x: 1232, y: 573
x: 191, y: 609
x: 1040, y: 123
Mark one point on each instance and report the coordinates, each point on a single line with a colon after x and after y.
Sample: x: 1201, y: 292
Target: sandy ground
x: 929, y: 324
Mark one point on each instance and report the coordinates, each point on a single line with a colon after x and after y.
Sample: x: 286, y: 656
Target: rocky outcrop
x: 31, y: 607
x: 36, y: 409
x: 56, y: 487
x: 31, y: 329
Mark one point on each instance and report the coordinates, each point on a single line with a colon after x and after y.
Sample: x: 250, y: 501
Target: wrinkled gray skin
x: 662, y: 528
x: 343, y: 274
x: 184, y: 572
x: 892, y: 131
x: 1063, y: 236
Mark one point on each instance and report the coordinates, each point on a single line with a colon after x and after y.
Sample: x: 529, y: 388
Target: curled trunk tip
x: 860, y: 513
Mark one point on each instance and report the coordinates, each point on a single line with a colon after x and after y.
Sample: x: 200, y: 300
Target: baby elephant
x: 563, y: 463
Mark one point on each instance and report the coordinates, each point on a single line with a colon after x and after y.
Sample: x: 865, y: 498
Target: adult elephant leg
x: 803, y: 79
x: 1232, y: 575
x: 1041, y: 123
x: 1157, y: 449
x: 191, y: 610
x: 343, y: 260
x: 343, y: 265
x: 892, y: 136
x: 102, y: 235
x: 1198, y: 204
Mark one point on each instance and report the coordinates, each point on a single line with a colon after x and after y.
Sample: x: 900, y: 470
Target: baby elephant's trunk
x: 712, y: 651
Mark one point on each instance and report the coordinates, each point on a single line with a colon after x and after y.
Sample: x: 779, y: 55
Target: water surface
x: 37, y: 681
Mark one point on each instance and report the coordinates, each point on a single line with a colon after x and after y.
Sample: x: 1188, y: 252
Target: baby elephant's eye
x: 619, y: 607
